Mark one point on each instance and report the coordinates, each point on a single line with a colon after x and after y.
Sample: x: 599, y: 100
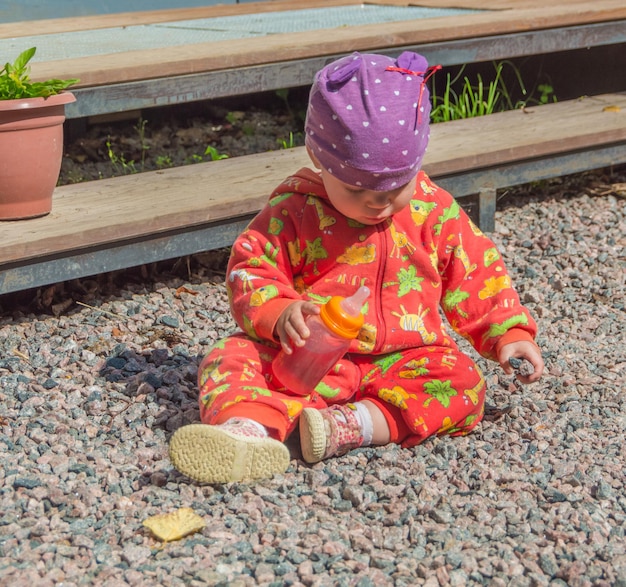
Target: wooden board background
x: 503, y: 17
x: 90, y: 213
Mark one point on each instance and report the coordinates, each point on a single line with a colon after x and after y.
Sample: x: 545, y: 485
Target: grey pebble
x: 170, y: 321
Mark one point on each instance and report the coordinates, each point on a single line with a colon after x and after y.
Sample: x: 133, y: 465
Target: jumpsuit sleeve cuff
x: 266, y: 321
x: 513, y: 335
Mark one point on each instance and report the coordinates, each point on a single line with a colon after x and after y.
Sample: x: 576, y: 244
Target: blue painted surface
x: 58, y: 46
x: 20, y: 10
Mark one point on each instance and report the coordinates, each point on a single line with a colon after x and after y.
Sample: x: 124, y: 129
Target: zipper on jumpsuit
x: 378, y: 288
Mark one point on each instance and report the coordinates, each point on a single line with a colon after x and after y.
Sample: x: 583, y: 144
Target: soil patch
x: 175, y: 136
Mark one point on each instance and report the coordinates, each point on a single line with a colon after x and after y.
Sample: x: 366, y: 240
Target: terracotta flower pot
x: 31, y: 149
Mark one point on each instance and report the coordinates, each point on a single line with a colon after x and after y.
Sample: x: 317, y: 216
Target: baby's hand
x: 511, y: 355
x: 291, y: 328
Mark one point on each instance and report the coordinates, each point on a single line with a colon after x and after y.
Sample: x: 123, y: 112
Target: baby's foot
x: 237, y: 450
x: 329, y: 432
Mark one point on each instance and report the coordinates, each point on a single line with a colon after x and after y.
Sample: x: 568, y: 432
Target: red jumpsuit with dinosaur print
x: 426, y: 261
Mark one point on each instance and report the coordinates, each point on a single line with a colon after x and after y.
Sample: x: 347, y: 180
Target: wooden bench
x: 123, y: 80
x: 110, y: 224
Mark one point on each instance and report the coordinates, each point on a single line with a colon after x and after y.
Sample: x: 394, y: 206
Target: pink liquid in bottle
x: 332, y: 331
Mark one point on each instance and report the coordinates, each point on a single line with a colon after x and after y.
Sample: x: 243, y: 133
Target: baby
x: 367, y: 216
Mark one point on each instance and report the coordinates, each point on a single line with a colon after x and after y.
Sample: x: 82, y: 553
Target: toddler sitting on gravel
x: 368, y: 216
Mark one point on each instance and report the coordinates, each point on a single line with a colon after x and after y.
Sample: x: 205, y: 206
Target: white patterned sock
x: 367, y: 426
x: 245, y: 427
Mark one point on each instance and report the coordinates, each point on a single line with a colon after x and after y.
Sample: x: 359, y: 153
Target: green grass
x: 291, y: 142
x: 480, y: 97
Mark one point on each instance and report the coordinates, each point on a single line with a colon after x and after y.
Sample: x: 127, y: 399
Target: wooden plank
x: 190, y: 240
x: 201, y: 57
x: 92, y: 213
x: 99, y: 211
x: 210, y: 85
x: 531, y: 133
x: 103, y: 21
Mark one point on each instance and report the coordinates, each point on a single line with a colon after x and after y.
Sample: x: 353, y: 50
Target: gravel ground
x: 91, y: 392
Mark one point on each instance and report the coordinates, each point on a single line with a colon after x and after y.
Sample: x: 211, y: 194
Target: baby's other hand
x: 291, y: 328
x: 514, y: 352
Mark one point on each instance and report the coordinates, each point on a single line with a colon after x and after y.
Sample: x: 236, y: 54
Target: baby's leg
x: 425, y: 392
x: 235, y: 380
x: 244, y: 419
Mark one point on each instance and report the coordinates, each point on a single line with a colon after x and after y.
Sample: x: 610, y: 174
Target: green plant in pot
x: 31, y: 139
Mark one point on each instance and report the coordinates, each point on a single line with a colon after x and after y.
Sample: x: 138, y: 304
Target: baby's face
x: 366, y: 206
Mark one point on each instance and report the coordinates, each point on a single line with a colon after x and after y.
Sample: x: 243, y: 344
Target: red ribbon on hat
x: 426, y: 75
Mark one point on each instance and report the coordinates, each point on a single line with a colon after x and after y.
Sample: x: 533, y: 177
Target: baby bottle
x: 338, y: 322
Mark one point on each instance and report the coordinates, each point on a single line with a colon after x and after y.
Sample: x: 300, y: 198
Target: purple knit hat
x: 368, y: 119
